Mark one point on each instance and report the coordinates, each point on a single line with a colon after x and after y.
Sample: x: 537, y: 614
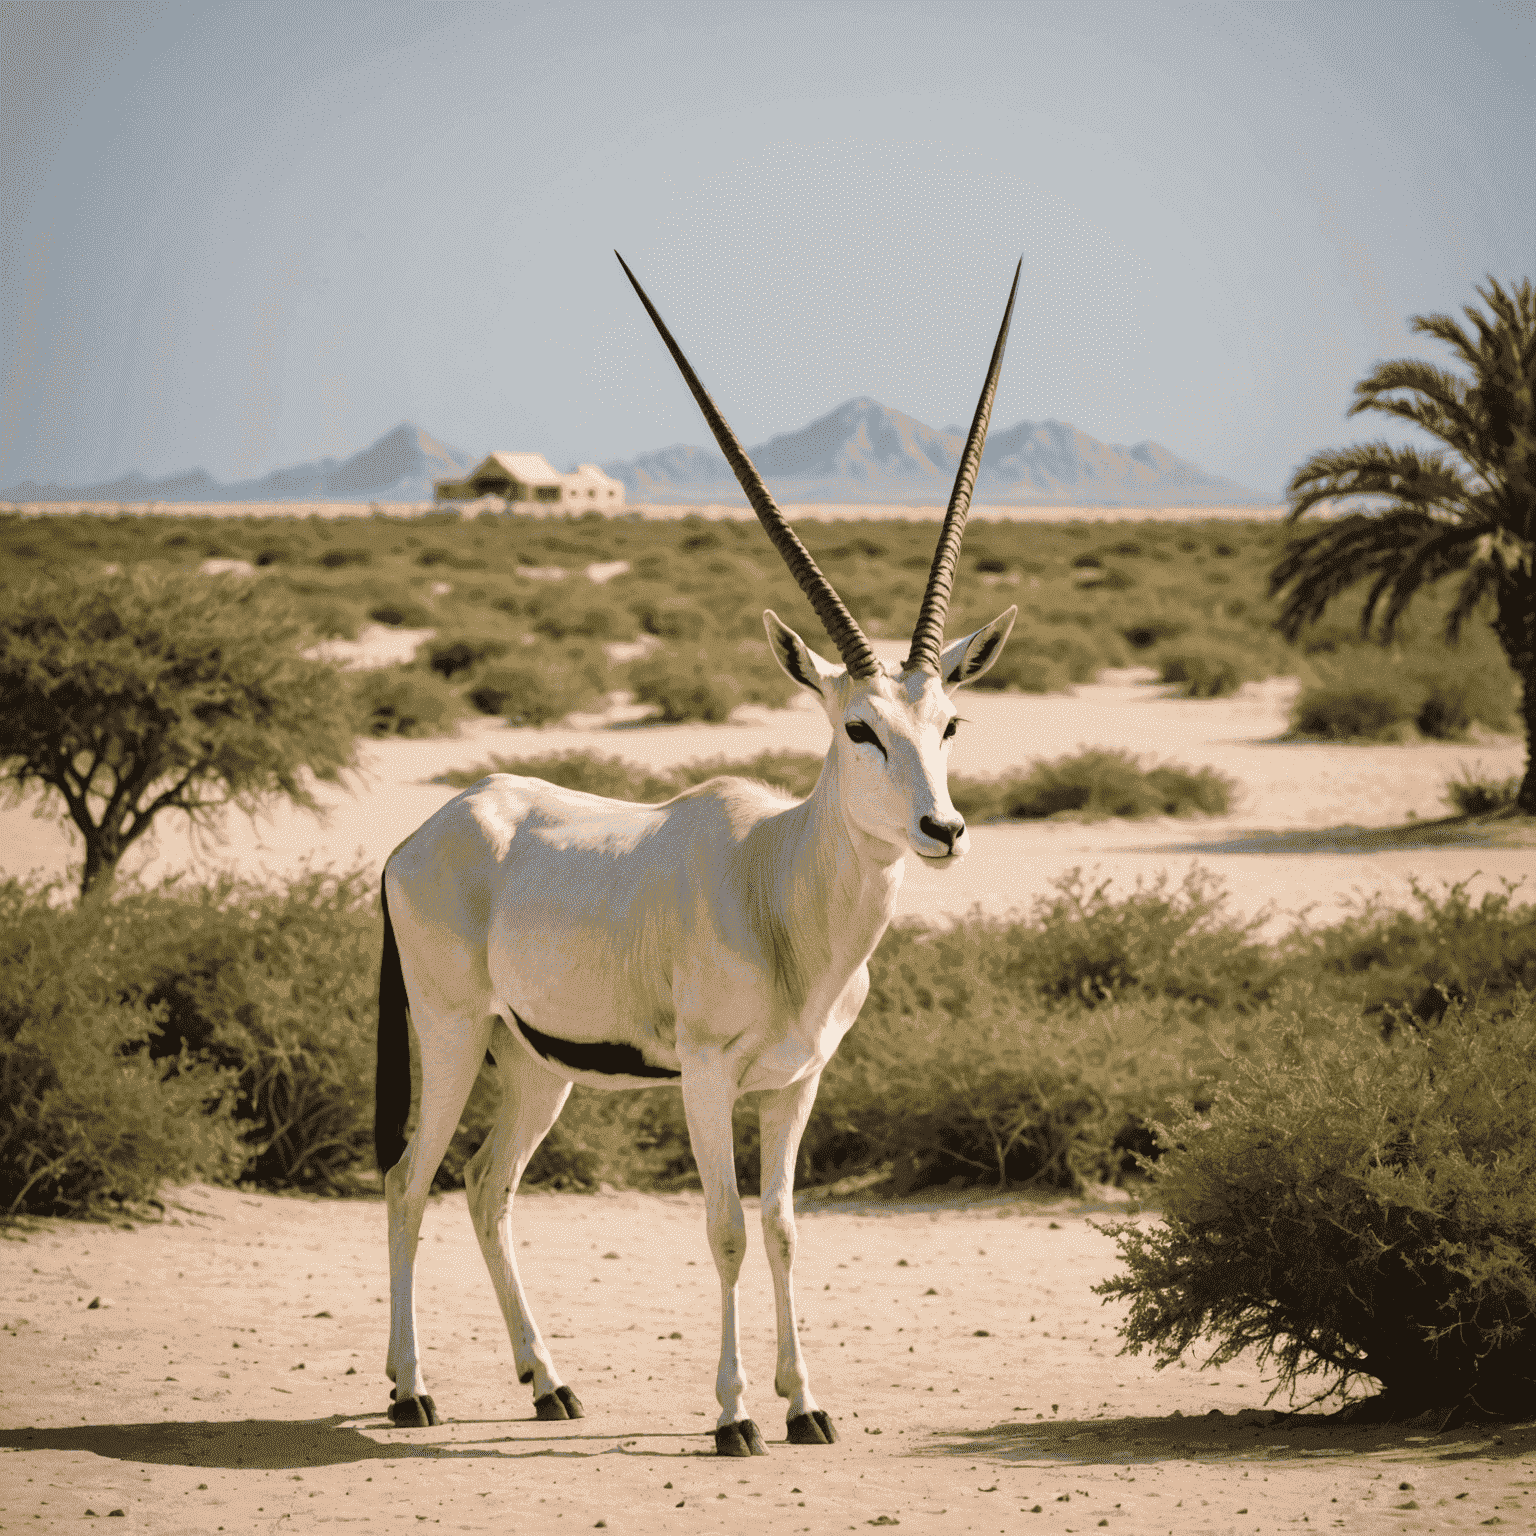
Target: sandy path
x: 1291, y: 845
x: 972, y: 1382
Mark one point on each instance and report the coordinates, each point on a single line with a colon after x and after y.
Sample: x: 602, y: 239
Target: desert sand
x: 973, y: 1377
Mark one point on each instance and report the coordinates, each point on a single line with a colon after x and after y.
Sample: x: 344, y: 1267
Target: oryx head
x: 890, y: 730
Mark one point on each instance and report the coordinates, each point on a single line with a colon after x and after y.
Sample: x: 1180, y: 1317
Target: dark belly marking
x: 603, y: 1056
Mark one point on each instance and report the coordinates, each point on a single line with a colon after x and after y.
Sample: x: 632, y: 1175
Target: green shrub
x: 1094, y: 784
x: 1350, y: 712
x: 233, y: 1023
x: 449, y: 655
x: 405, y: 701
x: 1360, y: 1208
x: 1387, y: 962
x: 1145, y: 632
x: 1203, y: 674
x: 1475, y: 794
x: 528, y: 694
x: 708, y: 682
x: 402, y: 611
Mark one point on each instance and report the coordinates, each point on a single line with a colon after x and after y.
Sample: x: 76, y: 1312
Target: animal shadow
x: 282, y: 1443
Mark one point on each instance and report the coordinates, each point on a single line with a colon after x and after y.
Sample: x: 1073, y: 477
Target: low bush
x: 1203, y: 674
x: 449, y: 655
x: 1359, y: 1208
x: 402, y: 611
x: 178, y: 1034
x: 1350, y: 712
x: 1094, y: 784
x: 1476, y: 794
x: 1389, y: 963
x: 405, y: 701
x: 708, y: 682
x: 528, y: 694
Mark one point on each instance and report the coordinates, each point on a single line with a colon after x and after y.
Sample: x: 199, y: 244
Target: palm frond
x: 1482, y: 578
x: 1407, y: 476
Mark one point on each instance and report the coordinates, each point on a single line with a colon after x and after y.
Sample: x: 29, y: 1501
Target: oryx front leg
x: 531, y: 1101
x: 708, y: 1096
x: 782, y: 1116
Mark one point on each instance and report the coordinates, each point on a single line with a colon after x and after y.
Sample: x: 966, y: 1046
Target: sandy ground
x: 973, y: 1377
x: 1314, y: 830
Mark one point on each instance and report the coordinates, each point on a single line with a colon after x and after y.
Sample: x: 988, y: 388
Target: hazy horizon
x: 242, y: 244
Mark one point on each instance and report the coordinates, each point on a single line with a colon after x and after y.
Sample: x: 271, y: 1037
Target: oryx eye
x: 861, y: 733
x: 950, y: 729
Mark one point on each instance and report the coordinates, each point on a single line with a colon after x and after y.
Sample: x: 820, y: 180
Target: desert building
x: 529, y: 477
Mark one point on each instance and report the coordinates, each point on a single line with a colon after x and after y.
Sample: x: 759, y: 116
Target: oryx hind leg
x: 531, y: 1101
x: 452, y: 1049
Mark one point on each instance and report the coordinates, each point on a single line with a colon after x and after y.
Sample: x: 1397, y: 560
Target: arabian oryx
x: 720, y: 941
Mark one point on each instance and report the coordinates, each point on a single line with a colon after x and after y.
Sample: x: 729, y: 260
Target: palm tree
x: 1469, y: 508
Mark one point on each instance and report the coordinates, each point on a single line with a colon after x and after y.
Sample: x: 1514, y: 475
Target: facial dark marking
x: 975, y: 661
x: 858, y: 731
x: 951, y: 728
x: 791, y: 655
x: 605, y: 1056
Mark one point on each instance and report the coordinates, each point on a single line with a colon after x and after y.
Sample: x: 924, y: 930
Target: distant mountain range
x: 864, y: 451
x: 861, y: 452
x: 400, y: 466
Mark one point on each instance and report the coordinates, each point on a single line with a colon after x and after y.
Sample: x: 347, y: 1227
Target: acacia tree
x: 1468, y: 509
x: 130, y: 696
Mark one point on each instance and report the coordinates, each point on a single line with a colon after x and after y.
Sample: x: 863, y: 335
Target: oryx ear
x: 965, y: 660
x: 802, y: 664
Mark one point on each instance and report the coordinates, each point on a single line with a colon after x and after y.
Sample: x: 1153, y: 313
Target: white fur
x: 725, y: 934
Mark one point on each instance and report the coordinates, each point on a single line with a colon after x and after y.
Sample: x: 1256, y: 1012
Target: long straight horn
x: 835, y: 617
x: 928, y: 636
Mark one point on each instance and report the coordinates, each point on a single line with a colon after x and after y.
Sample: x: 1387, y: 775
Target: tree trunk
x: 102, y: 854
x: 1525, y: 796
x: 1515, y: 625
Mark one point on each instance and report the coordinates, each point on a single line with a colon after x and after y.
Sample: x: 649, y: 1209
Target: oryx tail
x: 392, y: 1081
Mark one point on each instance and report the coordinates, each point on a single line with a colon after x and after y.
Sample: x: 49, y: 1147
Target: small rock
x: 321, y: 1314
x: 674, y: 1335
x: 981, y: 1333
x: 610, y: 1255
x: 96, y: 1303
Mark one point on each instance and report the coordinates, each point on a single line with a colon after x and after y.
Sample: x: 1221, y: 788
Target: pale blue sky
x: 242, y: 235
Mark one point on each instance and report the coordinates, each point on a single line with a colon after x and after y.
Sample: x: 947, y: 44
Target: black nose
x: 942, y: 831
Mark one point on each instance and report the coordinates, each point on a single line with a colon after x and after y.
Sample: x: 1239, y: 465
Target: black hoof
x: 739, y: 1440
x: 813, y: 1428
x: 562, y: 1403
x: 413, y: 1412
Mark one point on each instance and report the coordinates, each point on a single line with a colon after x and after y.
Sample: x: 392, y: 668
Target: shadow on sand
x: 275, y: 1444
x: 1449, y: 832
x: 1229, y: 1437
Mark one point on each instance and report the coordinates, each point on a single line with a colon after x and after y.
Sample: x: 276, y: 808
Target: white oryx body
x: 719, y: 941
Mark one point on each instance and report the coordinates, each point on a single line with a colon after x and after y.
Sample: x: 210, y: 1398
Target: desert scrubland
x: 952, y: 1330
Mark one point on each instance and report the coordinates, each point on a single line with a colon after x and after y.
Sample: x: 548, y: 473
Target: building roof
x: 527, y: 468
x: 592, y: 473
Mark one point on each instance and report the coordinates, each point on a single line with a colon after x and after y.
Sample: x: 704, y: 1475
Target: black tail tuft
x: 392, y: 1084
